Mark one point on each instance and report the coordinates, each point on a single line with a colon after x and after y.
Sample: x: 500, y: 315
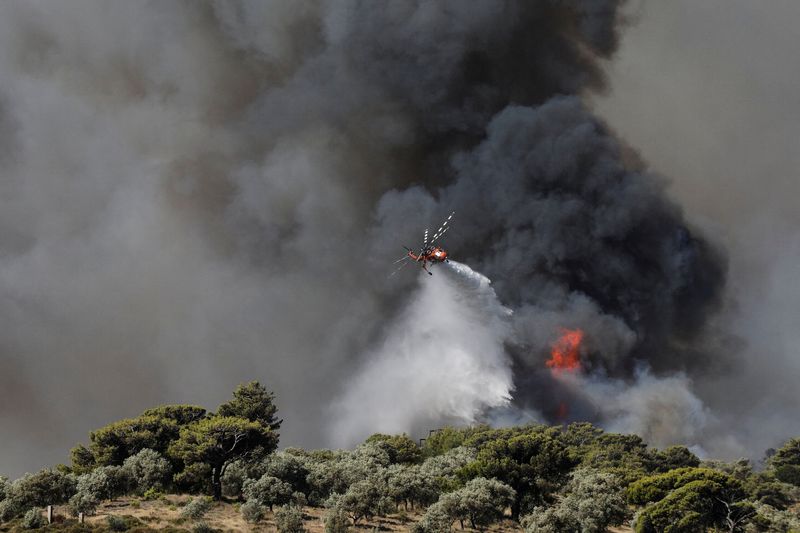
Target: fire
x: 564, y: 353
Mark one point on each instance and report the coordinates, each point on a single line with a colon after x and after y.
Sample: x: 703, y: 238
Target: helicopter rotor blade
x: 398, y: 269
x: 444, y: 227
x: 440, y: 235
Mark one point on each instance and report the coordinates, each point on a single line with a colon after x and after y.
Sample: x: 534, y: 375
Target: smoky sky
x: 197, y: 194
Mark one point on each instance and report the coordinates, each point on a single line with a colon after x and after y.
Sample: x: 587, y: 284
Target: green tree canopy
x: 447, y: 438
x: 253, y: 402
x: 534, y: 464
x: 401, y: 448
x: 675, y: 457
x: 654, y: 488
x: 696, y: 506
x: 155, y: 429
x: 218, y: 440
x: 591, y: 502
x: 786, y: 462
x: 181, y: 414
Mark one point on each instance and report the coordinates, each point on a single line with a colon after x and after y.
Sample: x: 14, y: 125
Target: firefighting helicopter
x: 428, y: 252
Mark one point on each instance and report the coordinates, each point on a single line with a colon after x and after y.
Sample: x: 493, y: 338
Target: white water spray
x: 442, y: 361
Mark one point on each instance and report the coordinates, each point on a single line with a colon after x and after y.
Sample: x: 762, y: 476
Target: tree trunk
x: 515, y: 508
x: 216, y: 482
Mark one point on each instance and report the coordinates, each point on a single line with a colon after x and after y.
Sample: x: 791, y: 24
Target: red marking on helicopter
x: 428, y: 252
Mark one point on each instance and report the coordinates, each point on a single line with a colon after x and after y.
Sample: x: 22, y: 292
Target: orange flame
x: 564, y: 353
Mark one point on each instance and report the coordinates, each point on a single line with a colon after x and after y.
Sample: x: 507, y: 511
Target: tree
x: 179, y: 413
x: 33, y: 519
x: 435, y: 520
x: 148, y: 469
x: 696, y: 506
x: 105, y: 482
x: 253, y: 402
x: 481, y: 501
x: 442, y: 471
x: 401, y: 448
x: 114, y: 443
x: 675, y: 457
x: 252, y: 511
x: 156, y: 429
x: 408, y: 484
x: 218, y: 440
x: 289, y: 519
x: 534, y: 464
x: 590, y: 503
x: 335, y: 472
x: 785, y: 462
x: 768, y: 519
x: 626, y: 456
x: 288, y: 467
x: 365, y: 499
x: 82, y: 459
x: 46, y: 487
x: 268, y: 491
x: 654, y: 488
x: 336, y: 519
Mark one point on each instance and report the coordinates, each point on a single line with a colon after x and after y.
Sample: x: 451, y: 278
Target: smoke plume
x: 443, y: 361
x: 195, y: 194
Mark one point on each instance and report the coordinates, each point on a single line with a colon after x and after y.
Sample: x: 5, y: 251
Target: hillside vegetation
x: 183, y: 468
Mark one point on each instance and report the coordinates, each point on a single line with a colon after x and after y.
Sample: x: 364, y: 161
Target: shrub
x: 435, y: 520
x: 83, y: 502
x: 196, y: 508
x: 202, y: 527
x: 592, y: 501
x: 336, y: 519
x: 233, y: 479
x: 9, y: 509
x: 481, y: 501
x: 152, y: 494
x: 654, y: 488
x: 117, y: 523
x: 290, y: 468
x: 105, y: 482
x: 788, y: 474
x: 252, y: 511
x: 299, y: 499
x: 46, y: 487
x: 33, y: 519
x: 695, y: 506
x: 289, y: 519
x: 268, y: 491
x: 676, y: 457
x: 148, y: 470
x: 365, y: 499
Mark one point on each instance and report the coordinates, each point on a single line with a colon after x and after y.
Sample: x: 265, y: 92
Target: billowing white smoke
x: 441, y: 361
x: 662, y: 410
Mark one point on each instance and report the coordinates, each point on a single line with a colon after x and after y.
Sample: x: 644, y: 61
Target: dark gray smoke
x: 195, y: 194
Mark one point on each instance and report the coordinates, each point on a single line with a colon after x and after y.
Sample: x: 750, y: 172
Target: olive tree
x: 267, y: 491
x: 46, y: 487
x: 590, y: 503
x: 148, y: 469
x: 481, y: 501
x: 366, y: 498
